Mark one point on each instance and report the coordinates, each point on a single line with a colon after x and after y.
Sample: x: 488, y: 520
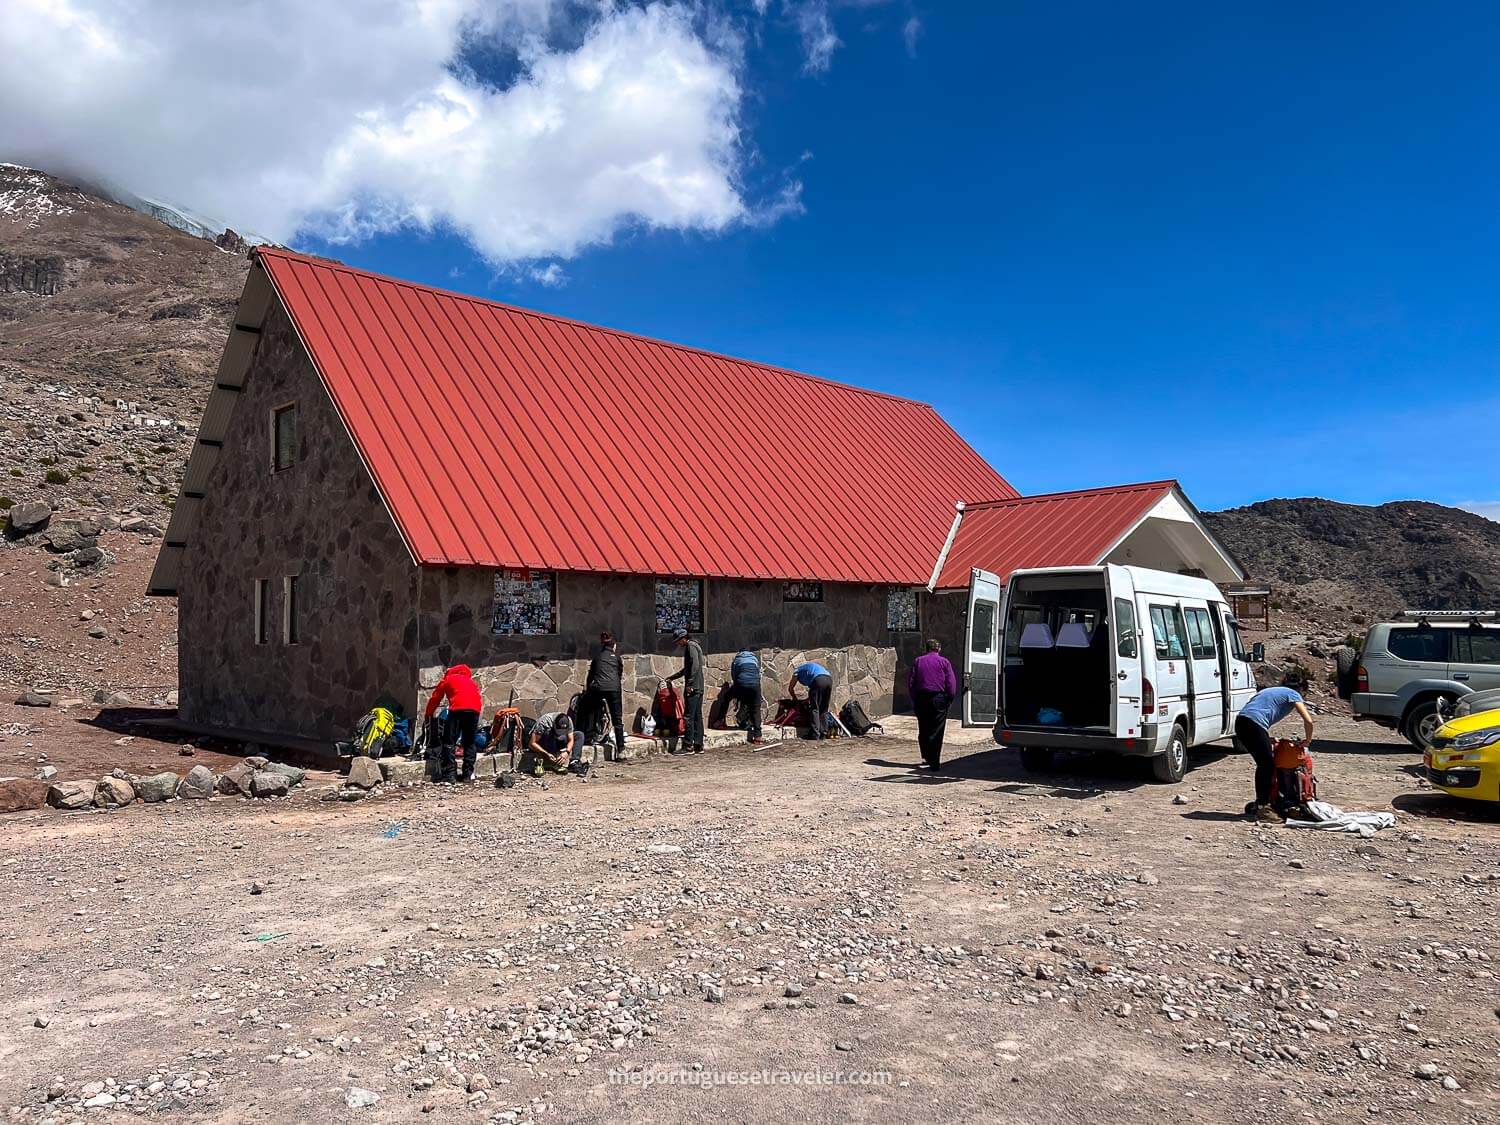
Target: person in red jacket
x: 464, y: 704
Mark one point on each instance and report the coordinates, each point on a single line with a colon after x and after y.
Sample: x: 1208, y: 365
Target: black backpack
x: 853, y: 716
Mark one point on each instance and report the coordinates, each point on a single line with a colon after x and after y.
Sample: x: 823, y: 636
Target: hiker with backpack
x: 602, y: 691
x: 465, y: 701
x: 932, y: 684
x: 1252, y: 729
x: 744, y: 689
x: 819, y: 683
x: 692, y: 686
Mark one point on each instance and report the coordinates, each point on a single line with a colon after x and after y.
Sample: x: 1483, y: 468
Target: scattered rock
x: 113, y: 791
x: 197, y: 784
x: 33, y: 699
x: 235, y: 781
x: 357, y: 1097
x: 402, y: 771
x: 20, y: 793
x: 41, y: 1021
x: 26, y: 519
x: 71, y: 795
x: 47, y: 773
x: 267, y: 783
x: 364, y: 773
x: 292, y: 774
x: 158, y: 787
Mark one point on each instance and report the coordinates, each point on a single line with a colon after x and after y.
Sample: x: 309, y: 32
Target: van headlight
x: 1476, y: 739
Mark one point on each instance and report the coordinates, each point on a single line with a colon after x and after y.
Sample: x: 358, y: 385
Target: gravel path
x: 724, y: 936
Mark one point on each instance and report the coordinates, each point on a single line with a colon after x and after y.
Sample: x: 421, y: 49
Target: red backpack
x: 1293, y: 783
x: 669, y: 712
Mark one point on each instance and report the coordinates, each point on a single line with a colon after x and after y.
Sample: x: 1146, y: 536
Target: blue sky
x: 1252, y: 248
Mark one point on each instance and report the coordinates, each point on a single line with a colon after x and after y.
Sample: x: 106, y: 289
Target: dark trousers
x: 692, y: 738
x: 748, y: 697
x: 932, y: 716
x: 819, y: 692
x: 460, y: 731
x: 1257, y: 739
x: 592, y: 707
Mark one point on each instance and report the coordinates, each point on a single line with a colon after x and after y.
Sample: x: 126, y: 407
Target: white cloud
x: 911, y: 31
x: 1489, y: 509
x: 349, y: 117
x: 815, y: 26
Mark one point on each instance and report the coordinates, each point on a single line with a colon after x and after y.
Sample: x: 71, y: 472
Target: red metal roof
x: 580, y: 448
x: 1055, y: 529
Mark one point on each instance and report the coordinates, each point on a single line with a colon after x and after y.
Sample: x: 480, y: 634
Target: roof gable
x: 508, y: 438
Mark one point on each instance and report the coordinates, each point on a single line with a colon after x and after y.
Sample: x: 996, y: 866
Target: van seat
x: 1038, y: 634
x: 1075, y: 634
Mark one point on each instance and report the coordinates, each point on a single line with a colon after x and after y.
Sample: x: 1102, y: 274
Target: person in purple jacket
x: 932, y: 684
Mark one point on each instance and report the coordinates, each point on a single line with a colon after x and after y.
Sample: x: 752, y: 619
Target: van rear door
x: 982, y: 652
x: 1125, y: 646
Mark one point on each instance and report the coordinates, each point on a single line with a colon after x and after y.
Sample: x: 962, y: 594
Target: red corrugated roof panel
x: 502, y: 437
x: 1057, y: 529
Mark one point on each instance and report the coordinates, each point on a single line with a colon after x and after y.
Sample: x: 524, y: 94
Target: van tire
x: 1170, y: 766
x: 1036, y: 760
x: 1422, y: 721
x: 1346, y: 665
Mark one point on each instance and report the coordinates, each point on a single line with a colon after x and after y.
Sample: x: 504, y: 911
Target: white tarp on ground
x: 1331, y: 818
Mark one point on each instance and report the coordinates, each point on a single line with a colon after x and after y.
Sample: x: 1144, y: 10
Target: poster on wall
x: 901, y: 610
x: 525, y: 603
x: 679, y: 604
x: 802, y: 591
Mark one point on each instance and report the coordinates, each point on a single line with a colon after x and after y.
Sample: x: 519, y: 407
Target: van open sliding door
x: 982, y: 657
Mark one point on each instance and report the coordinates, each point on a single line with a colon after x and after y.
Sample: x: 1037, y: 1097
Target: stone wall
x: 322, y: 520
x: 846, y: 632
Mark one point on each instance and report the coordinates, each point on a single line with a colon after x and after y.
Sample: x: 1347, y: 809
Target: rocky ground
x: 984, y: 944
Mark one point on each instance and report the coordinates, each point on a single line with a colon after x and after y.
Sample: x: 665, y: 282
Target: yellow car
x: 1465, y: 757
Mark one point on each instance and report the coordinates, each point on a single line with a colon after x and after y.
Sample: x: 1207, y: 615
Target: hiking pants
x: 1257, y: 739
x: 748, y: 697
x: 592, y: 709
x: 932, y: 716
x: 819, y: 692
x: 692, y: 738
x: 460, y: 731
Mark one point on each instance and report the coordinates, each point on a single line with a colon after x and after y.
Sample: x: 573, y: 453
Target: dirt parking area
x: 800, y: 934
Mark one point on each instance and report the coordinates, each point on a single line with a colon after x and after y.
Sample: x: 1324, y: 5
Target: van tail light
x: 1361, y: 679
x: 1148, y: 699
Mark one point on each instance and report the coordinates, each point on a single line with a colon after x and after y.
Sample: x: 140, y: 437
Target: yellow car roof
x: 1480, y: 720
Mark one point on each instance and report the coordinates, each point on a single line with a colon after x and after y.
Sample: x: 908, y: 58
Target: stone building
x: 390, y: 479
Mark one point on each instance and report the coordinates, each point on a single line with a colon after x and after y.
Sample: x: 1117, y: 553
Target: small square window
x: 525, y: 604
x: 679, y: 605
x: 284, y: 437
x: 289, y: 610
x: 262, y: 610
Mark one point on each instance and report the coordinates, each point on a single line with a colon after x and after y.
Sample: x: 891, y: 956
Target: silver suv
x: 1412, y: 671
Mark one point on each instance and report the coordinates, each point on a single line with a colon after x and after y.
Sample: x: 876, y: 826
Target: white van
x: 1113, y: 658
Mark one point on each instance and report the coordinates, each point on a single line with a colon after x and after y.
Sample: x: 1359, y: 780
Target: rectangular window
x: 983, y: 626
x: 262, y: 610
x: 525, y: 603
x: 1236, y: 645
x: 1420, y: 643
x: 802, y: 591
x: 1480, y: 646
x: 679, y: 605
x: 1201, y: 634
x: 1020, y: 617
x: 1167, y: 633
x: 284, y: 437
x: 289, y: 610
x: 1125, y: 640
x: 901, y: 610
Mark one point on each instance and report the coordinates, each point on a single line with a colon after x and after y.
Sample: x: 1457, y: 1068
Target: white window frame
x: 261, y: 601
x: 289, y: 606
x: 276, y: 412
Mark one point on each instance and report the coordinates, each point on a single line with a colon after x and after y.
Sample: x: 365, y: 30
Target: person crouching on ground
x: 819, y: 683
x: 464, y: 704
x: 692, y: 690
x: 555, y: 745
x: 932, y: 684
x: 744, y: 688
x: 1253, y: 730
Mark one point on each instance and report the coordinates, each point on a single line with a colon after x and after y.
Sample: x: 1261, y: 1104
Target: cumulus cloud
x: 347, y: 118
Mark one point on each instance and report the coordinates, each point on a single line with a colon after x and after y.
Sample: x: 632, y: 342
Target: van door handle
x: 1120, y: 675
x: 1460, y: 675
x: 1216, y: 673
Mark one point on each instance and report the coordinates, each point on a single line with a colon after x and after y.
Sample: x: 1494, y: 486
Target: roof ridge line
x: 1139, y: 486
x: 557, y: 318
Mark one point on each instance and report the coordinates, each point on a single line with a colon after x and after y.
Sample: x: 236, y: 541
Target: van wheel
x: 1036, y: 761
x: 1170, y: 766
x: 1422, y: 722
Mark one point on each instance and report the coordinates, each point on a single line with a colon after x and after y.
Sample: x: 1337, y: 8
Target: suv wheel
x: 1346, y: 664
x: 1169, y: 766
x: 1422, y: 722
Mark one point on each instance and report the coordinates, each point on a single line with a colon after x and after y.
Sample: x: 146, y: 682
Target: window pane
x: 1125, y: 642
x: 1236, y: 645
x: 289, y: 591
x: 1415, y: 643
x: 1020, y: 617
x: 285, y: 439
x: 983, y: 627
x: 1479, y: 648
x: 1201, y: 634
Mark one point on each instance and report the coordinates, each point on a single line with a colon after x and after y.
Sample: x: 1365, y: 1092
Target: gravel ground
x: 720, y: 936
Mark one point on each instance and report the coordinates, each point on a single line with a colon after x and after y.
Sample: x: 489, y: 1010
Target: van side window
x: 1166, y: 633
x: 1125, y: 642
x: 984, y: 626
x: 1201, y: 634
x: 1480, y: 646
x: 1236, y: 645
x: 1412, y: 642
x: 1020, y: 617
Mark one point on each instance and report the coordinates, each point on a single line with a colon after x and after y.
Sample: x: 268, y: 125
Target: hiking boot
x: 1265, y: 814
x: 536, y: 770
x: 697, y: 749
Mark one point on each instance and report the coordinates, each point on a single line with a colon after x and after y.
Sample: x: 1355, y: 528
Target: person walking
x: 692, y: 687
x: 744, y: 688
x: 465, y: 701
x: 819, y: 683
x: 1252, y: 729
x: 601, y: 692
x: 932, y: 684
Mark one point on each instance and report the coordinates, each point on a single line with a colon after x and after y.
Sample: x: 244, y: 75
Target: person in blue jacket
x: 744, y: 687
x: 819, y: 683
x: 1252, y: 728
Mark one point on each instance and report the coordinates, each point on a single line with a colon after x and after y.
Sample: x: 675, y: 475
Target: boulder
x: 71, y: 794
x: 235, y: 781
x: 87, y: 557
x: 403, y: 771
x: 256, y: 762
x: 364, y: 773
x: 27, y: 518
x: 71, y: 535
x: 107, y: 698
x: 19, y: 793
x: 488, y: 765
x: 292, y: 774
x: 113, y: 791
x: 33, y: 699
x: 157, y: 787
x: 196, y: 785
x: 267, y: 783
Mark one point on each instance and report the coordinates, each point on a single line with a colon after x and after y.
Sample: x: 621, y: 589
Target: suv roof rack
x: 1450, y: 614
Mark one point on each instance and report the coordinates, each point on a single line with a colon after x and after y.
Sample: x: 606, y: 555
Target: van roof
x: 1143, y: 580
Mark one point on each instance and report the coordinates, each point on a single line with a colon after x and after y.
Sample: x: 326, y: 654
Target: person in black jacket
x: 602, y: 690
x: 692, y: 683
